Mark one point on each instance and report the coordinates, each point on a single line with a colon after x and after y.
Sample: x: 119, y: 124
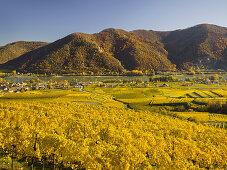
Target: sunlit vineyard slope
x: 100, y: 136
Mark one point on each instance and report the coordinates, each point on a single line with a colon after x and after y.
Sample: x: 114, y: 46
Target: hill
x: 16, y: 49
x: 201, y: 46
x: 115, y: 50
x: 111, y: 50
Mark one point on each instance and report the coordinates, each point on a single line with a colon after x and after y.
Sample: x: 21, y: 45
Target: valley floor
x: 124, y: 126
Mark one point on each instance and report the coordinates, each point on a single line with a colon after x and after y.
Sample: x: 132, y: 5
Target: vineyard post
x: 34, y: 147
x: 43, y: 164
x: 173, y: 154
x: 32, y: 163
x: 84, y: 132
x: 12, y: 155
x: 53, y: 162
x: 43, y: 158
x: 61, y: 164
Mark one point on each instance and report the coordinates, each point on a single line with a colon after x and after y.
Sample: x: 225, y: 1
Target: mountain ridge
x: 117, y: 50
x: 200, y: 46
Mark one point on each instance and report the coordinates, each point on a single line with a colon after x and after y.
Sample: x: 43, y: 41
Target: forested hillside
x: 108, y: 51
x: 201, y: 46
x: 115, y: 51
x: 16, y: 49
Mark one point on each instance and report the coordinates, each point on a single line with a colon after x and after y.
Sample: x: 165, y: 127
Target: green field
x: 153, y: 98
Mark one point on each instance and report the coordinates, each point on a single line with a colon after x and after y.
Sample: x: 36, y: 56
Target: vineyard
x: 93, y: 129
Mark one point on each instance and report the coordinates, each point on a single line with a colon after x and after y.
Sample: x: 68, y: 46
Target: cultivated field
x: 126, y: 127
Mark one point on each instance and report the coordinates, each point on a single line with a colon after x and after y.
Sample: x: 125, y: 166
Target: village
x: 8, y: 87
x: 162, y: 81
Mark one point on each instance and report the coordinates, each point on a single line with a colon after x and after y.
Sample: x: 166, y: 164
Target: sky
x: 49, y: 20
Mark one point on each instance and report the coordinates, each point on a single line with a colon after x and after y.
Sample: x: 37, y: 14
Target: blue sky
x: 49, y: 20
